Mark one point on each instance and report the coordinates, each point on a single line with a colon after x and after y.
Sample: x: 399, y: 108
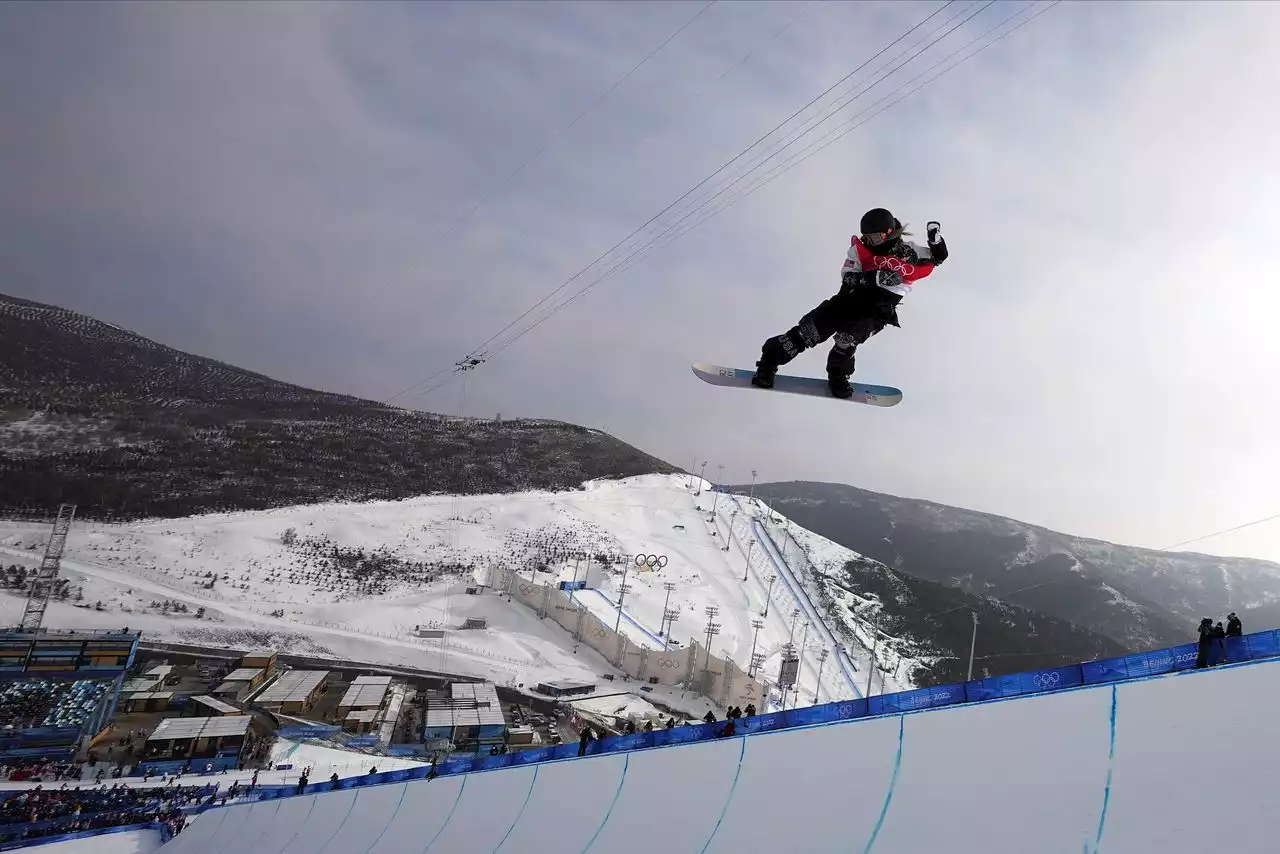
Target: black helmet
x: 877, y: 221
x: 881, y: 231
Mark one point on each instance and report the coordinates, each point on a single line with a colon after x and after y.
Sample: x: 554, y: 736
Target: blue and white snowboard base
x: 875, y: 395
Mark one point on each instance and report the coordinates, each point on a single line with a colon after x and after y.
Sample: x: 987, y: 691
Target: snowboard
x: 873, y: 395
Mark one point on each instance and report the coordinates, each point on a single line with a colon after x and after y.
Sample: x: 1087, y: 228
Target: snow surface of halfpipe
x: 1175, y: 763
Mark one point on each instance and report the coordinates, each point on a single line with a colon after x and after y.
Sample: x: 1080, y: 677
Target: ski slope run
x: 802, y: 599
x: 290, y: 594
x: 1174, y: 763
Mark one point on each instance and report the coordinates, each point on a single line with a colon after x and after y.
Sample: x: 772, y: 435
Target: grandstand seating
x: 30, y: 703
x: 40, y: 813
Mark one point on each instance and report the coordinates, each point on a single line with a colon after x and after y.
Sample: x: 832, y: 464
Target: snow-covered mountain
x: 356, y: 579
x: 126, y: 427
x: 1139, y: 598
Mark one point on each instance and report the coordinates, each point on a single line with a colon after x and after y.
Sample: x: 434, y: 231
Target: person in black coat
x: 1206, y: 638
x: 1234, y: 627
x: 1219, y: 643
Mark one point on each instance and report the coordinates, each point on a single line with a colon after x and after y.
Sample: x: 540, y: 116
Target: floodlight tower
x: 719, y: 487
x: 822, y: 660
x: 756, y: 624
x: 712, y: 629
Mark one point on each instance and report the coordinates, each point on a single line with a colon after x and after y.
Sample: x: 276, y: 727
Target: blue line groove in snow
x: 1106, y: 792
x: 893, y: 784
x: 301, y: 825
x: 404, y: 791
x: 449, y: 817
x: 617, y: 794
x: 338, y: 830
x: 523, y: 806
x: 267, y: 827
x: 729, y: 799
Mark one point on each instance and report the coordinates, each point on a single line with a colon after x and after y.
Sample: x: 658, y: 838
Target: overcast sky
x: 293, y: 188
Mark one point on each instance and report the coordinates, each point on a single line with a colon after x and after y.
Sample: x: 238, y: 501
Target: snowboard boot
x: 764, y: 374
x: 840, y: 363
x: 839, y: 385
x: 777, y: 351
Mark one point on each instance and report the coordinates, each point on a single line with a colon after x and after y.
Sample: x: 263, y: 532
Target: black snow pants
x: 853, y: 315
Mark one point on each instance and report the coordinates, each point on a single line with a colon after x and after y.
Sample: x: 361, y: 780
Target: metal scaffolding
x: 42, y: 586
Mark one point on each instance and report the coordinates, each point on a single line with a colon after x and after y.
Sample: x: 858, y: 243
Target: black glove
x: 937, y: 246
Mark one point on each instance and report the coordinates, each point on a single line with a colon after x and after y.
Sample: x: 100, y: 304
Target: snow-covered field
x: 325, y: 761
x: 353, y: 580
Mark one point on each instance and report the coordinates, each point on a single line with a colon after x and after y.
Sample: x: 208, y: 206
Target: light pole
x: 795, y: 615
x: 622, y: 592
x: 973, y: 642
x: 719, y: 483
x: 768, y: 594
x: 692, y: 466
x: 756, y: 624
x: 713, y: 629
x: 667, y: 586
x: 746, y: 570
x: 702, y: 476
x: 822, y: 660
x: 671, y: 617
x: 640, y: 560
x: 768, y: 511
x: 733, y: 517
x: 751, y: 494
x: 804, y: 638
x: 875, y: 639
x: 788, y: 655
x: 872, y: 669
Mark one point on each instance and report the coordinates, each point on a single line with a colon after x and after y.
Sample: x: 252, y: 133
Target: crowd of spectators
x: 42, y: 770
x: 39, y: 812
x: 1212, y: 647
x: 173, y: 820
x: 30, y: 703
x: 41, y: 804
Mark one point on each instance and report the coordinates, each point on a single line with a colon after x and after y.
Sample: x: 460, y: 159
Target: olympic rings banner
x: 1017, y: 684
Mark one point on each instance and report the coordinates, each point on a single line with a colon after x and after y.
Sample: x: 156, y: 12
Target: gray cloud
x: 281, y: 186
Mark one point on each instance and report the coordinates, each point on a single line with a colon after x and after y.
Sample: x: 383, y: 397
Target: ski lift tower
x: 42, y: 587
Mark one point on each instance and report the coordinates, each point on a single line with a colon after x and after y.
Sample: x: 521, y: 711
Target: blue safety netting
x: 920, y: 698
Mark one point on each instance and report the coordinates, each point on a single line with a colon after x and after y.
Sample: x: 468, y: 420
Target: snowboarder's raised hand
x: 937, y: 245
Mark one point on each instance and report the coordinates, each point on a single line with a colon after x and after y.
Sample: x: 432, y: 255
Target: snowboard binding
x: 840, y: 385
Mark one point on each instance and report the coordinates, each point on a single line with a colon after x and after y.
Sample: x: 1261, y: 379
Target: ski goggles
x: 882, y: 237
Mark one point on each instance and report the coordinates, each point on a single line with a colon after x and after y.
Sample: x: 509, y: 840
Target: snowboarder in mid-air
x: 879, y: 271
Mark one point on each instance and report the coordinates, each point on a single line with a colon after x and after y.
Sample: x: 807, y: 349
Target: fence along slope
x: 1101, y: 767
